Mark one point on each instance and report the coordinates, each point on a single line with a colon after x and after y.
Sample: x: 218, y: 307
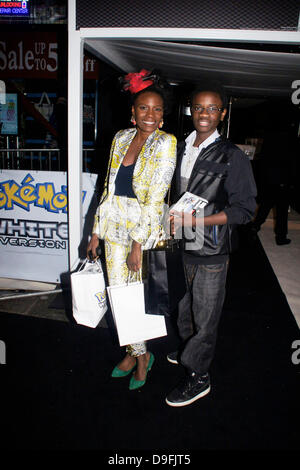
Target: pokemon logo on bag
x: 89, y: 294
x: 101, y: 297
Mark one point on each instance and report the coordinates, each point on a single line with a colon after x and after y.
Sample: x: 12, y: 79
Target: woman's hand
x: 92, y: 246
x: 134, y: 259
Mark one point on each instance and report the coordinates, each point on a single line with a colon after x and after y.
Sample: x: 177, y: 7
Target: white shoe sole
x: 188, y: 402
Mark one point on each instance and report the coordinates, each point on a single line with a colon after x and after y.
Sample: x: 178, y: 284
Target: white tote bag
x: 128, y: 308
x: 89, y: 294
x: 45, y: 107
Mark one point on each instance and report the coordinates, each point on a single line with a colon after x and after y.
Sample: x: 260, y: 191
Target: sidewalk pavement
x: 48, y: 306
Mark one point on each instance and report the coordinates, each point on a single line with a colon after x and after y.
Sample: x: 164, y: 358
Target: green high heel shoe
x: 118, y: 373
x: 134, y: 384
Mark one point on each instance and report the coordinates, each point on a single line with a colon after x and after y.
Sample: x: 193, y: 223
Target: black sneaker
x: 192, y: 387
x: 173, y: 357
x: 282, y: 241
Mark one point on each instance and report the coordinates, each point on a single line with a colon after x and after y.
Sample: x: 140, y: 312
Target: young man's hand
x: 180, y: 219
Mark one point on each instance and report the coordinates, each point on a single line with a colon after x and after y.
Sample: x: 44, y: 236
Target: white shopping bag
x: 45, y: 107
x: 128, y: 309
x: 89, y: 294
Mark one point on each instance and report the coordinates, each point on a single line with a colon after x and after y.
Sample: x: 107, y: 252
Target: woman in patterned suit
x: 129, y: 216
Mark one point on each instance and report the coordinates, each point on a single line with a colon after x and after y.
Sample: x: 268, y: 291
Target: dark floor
x: 60, y: 396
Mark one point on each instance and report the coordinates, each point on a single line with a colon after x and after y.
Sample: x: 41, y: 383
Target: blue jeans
x: 199, y: 314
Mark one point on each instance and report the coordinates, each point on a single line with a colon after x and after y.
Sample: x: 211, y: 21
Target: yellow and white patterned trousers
x: 117, y: 247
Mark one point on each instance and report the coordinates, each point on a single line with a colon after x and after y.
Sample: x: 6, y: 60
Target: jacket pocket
x: 212, y: 169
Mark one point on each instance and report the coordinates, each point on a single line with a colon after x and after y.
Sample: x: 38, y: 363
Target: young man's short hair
x: 213, y: 87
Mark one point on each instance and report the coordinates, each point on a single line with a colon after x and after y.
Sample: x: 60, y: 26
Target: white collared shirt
x: 191, y: 153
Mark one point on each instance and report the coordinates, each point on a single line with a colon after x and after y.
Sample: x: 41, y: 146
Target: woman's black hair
x: 151, y: 89
x: 213, y: 87
x: 164, y: 93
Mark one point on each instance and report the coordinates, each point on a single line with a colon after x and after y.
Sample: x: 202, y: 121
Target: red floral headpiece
x: 135, y: 82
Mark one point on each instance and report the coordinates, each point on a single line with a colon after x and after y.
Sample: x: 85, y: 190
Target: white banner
x: 34, y: 225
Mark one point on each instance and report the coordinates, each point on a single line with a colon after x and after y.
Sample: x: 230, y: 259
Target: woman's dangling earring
x: 161, y: 124
x: 133, y: 120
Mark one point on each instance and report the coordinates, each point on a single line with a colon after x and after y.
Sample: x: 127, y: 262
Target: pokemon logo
x: 43, y: 195
x: 101, y: 297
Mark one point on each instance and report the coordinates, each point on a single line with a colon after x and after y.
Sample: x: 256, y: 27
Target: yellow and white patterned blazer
x: 152, y: 177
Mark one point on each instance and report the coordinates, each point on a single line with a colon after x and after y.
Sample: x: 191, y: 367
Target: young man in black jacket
x: 209, y: 166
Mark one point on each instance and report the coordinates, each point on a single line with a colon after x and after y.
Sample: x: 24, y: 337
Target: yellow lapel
x: 146, y: 153
x: 121, y: 147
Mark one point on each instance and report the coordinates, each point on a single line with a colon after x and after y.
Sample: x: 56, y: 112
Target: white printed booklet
x: 189, y: 203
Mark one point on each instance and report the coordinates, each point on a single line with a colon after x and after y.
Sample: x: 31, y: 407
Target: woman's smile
x: 149, y: 123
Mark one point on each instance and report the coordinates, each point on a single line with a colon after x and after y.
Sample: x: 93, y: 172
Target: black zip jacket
x: 222, y: 174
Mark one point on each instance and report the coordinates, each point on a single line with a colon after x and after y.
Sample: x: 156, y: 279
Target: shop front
x: 252, y: 47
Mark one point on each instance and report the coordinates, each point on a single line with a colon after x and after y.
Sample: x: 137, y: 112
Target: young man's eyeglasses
x: 209, y: 109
